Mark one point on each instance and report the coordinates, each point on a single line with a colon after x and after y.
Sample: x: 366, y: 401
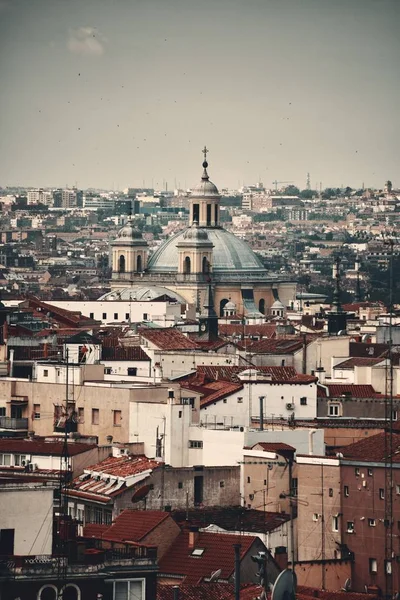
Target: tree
x: 291, y: 190
x: 308, y: 194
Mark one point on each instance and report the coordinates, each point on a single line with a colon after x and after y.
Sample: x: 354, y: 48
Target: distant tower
x: 129, y: 253
x: 204, y: 201
x: 337, y: 318
x: 388, y: 187
x: 308, y: 185
x: 208, y: 320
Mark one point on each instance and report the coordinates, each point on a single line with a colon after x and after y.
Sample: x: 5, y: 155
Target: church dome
x: 205, y: 189
x: 232, y: 257
x: 129, y: 236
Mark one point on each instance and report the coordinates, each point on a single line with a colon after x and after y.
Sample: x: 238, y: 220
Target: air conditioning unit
x: 289, y: 406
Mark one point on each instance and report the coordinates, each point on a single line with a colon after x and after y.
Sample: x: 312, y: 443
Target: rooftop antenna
x: 308, y: 185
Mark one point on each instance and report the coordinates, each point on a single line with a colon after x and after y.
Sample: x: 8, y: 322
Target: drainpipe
x: 311, y: 441
x: 261, y: 413
x: 11, y: 363
x: 176, y: 592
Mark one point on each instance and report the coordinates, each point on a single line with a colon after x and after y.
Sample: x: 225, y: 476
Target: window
x: 373, y: 565
x: 132, y: 371
x: 394, y: 415
x: 180, y: 485
x: 116, y: 316
x: 7, y: 541
x: 197, y: 552
x: 104, y: 316
x: 127, y: 316
x: 370, y: 472
x: 381, y: 493
x: 48, y: 592
x: 315, y: 517
x: 303, y: 401
x: 249, y: 480
x: 240, y: 400
x: 36, y: 411
x: 121, y: 264
x: 357, y: 472
x: 95, y: 416
x: 346, y: 491
x: 195, y: 444
x: 295, y: 486
x: 330, y: 492
x: 128, y: 590
x: 350, y: 527
x: 2, y: 411
x: 186, y: 266
x: 45, y: 372
x: 117, y: 418
x: 334, y: 409
x: 145, y: 316
x: 107, y: 370
x: 5, y: 460
x: 225, y: 400
x: 371, y: 522
x: 222, y: 484
x: 335, y: 523
x: 388, y: 567
x: 91, y: 315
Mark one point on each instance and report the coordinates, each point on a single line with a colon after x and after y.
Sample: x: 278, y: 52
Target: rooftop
x: 41, y: 446
x: 168, y: 339
x: 129, y: 526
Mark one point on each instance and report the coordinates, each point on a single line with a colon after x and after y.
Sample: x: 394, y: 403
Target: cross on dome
x: 205, y: 163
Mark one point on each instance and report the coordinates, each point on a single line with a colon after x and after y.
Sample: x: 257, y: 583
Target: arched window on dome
x: 121, y: 264
x: 206, y: 265
x: 139, y: 267
x: 222, y: 306
x: 187, y: 266
x: 261, y: 306
x: 216, y: 214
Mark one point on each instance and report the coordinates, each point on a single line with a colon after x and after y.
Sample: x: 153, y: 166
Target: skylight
x: 198, y: 552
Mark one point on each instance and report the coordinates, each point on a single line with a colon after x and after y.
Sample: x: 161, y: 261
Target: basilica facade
x: 202, y: 256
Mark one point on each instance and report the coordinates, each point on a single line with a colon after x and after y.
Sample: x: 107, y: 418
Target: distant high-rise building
x: 40, y: 197
x: 71, y: 198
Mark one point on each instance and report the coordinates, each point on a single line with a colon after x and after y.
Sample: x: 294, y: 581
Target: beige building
x: 204, y: 253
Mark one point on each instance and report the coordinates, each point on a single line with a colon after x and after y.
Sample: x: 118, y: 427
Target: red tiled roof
x: 340, y: 390
x: 110, y: 352
x: 42, y: 447
x: 208, y: 591
x: 275, y: 447
x: 218, y: 554
x: 275, y: 346
x: 267, y: 330
x: 134, y: 525
x: 373, y: 449
x: 111, y: 484
x: 214, y: 391
x: 168, y: 339
x: 94, y: 530
x: 231, y: 518
x: 230, y: 373
x: 358, y: 361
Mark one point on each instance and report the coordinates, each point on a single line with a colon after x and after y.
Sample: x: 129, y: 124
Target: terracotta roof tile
x: 275, y: 346
x: 110, y: 352
x: 340, y: 390
x: 168, y: 339
x: 218, y: 554
x: 208, y: 591
x: 373, y: 449
x: 134, y: 525
x: 358, y: 361
x: 231, y: 373
x: 42, y: 447
x: 275, y: 447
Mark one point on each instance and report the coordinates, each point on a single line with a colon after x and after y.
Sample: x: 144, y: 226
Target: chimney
x: 281, y: 557
x: 193, y: 537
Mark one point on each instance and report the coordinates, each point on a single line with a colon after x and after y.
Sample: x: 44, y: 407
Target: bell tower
x: 208, y: 320
x: 195, y: 254
x: 129, y: 254
x: 204, y: 201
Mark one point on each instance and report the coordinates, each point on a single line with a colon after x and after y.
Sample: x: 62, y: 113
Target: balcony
x: 13, y: 424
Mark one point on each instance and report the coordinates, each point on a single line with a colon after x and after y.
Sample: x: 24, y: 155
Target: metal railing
x: 13, y: 423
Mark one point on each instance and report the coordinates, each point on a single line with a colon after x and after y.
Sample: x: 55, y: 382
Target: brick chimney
x: 193, y: 537
x: 281, y: 556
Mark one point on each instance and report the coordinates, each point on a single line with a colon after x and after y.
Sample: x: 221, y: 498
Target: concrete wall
x: 319, y: 501
x: 28, y: 509
x: 298, y: 438
x: 124, y: 310
x: 236, y: 409
x: 320, y: 351
x: 330, y: 575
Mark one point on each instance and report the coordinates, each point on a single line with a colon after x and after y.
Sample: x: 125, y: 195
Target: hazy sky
x: 120, y: 92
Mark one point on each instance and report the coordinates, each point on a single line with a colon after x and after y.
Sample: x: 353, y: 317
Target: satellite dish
x: 140, y: 494
x: 347, y: 585
x: 285, y: 586
x: 215, y: 575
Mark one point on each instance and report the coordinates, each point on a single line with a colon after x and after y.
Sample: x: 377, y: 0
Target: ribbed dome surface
x: 230, y: 254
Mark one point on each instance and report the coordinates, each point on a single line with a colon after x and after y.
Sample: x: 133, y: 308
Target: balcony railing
x: 13, y: 423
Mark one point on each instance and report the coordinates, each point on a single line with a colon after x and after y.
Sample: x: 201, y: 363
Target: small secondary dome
x: 128, y: 231
x: 230, y: 306
x: 278, y: 304
x: 195, y: 233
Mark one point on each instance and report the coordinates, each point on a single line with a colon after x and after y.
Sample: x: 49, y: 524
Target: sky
x: 118, y: 93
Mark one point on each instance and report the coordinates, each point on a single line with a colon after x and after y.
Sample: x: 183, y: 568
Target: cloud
x: 87, y: 41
